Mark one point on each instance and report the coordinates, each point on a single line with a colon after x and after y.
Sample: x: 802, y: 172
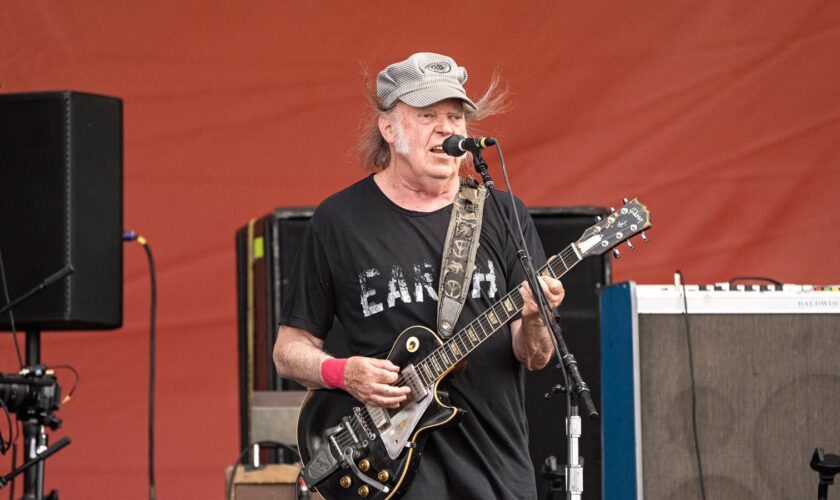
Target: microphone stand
x: 576, y: 388
x: 37, y: 459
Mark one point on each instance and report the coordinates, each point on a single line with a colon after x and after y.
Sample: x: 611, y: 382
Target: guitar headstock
x: 621, y: 225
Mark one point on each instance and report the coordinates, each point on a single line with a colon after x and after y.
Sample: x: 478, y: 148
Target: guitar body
x: 324, y: 409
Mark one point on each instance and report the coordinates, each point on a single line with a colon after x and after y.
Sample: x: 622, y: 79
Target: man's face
x: 417, y: 135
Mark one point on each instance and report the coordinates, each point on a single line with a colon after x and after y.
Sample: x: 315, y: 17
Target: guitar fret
x: 444, y: 360
x: 478, y: 329
x: 503, y: 313
x: 436, y: 365
x: 486, y: 327
x: 509, y: 307
x: 465, y: 349
x: 571, y: 256
x: 420, y: 376
x: 482, y: 322
x: 472, y: 336
x: 428, y: 371
x: 456, y: 352
x: 444, y: 357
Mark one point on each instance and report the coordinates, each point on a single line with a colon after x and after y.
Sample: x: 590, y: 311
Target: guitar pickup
x: 412, y: 380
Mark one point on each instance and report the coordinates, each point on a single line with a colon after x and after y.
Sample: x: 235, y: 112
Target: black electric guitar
x: 351, y: 450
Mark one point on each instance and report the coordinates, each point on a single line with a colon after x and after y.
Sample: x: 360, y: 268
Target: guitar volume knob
x: 383, y: 476
x: 364, y: 465
x: 363, y: 490
x: 345, y: 481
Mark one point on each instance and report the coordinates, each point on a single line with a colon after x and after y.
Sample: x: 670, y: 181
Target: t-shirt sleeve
x: 516, y: 275
x: 308, y: 303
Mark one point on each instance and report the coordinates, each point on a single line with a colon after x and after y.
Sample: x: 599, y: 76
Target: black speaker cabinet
x: 766, y: 384
x: 61, y: 203
x: 557, y: 228
x: 266, y: 249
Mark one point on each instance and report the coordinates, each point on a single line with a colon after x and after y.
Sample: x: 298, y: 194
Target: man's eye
x: 456, y: 117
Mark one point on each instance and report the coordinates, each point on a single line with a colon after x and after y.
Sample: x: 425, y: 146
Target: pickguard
x: 402, y: 426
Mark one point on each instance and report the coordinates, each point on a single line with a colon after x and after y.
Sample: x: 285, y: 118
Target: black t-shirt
x: 374, y: 265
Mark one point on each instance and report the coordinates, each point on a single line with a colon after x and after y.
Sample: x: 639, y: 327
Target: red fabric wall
x: 722, y: 116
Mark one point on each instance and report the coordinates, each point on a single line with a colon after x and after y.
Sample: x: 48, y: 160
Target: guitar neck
x: 460, y: 345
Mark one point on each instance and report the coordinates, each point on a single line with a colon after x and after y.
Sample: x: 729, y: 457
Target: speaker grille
x: 768, y: 393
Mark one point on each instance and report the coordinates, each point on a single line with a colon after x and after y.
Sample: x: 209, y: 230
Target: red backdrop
x: 721, y: 116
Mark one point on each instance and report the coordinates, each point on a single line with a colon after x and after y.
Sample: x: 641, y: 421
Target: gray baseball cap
x: 422, y: 80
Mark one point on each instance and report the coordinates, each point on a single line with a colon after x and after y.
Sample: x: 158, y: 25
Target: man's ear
x: 386, y: 127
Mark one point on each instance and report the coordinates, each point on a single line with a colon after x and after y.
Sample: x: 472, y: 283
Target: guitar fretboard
x: 460, y: 345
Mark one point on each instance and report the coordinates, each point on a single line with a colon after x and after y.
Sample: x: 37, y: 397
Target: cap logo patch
x: 439, y: 67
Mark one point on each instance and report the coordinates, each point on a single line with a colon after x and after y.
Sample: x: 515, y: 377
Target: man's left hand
x: 554, y: 293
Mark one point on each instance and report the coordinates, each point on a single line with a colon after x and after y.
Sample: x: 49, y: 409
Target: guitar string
x: 482, y: 321
x: 437, y: 352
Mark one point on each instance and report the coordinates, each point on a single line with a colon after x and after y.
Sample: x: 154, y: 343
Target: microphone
x: 457, y: 145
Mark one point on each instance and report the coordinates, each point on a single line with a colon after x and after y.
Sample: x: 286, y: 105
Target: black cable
x: 133, y: 236
x: 566, y: 383
x: 152, y: 323
x: 14, y: 466
x: 229, y: 486
x: 11, y: 313
x: 69, y: 394
x: 12, y: 437
x: 5, y: 445
x: 755, y: 278
x: 693, y: 391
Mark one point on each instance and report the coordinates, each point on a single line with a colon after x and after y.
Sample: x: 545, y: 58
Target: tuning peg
x: 598, y: 218
x: 644, y: 237
x: 612, y: 210
x: 630, y: 244
x: 616, y: 253
x: 626, y: 201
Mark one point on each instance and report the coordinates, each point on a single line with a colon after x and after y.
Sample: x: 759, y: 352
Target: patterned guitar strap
x: 459, y: 251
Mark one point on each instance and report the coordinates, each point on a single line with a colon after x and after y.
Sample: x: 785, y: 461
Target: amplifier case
x: 766, y: 379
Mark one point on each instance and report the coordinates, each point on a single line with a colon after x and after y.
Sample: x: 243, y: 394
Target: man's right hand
x: 369, y: 380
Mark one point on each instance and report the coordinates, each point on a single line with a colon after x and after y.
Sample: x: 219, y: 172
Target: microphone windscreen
x: 452, y: 145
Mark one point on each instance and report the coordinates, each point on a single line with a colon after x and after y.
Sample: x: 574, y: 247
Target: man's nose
x: 445, y: 126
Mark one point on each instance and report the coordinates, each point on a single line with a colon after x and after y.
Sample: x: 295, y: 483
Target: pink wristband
x: 332, y: 372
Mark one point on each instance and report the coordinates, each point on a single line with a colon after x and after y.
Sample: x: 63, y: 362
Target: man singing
x: 371, y: 257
